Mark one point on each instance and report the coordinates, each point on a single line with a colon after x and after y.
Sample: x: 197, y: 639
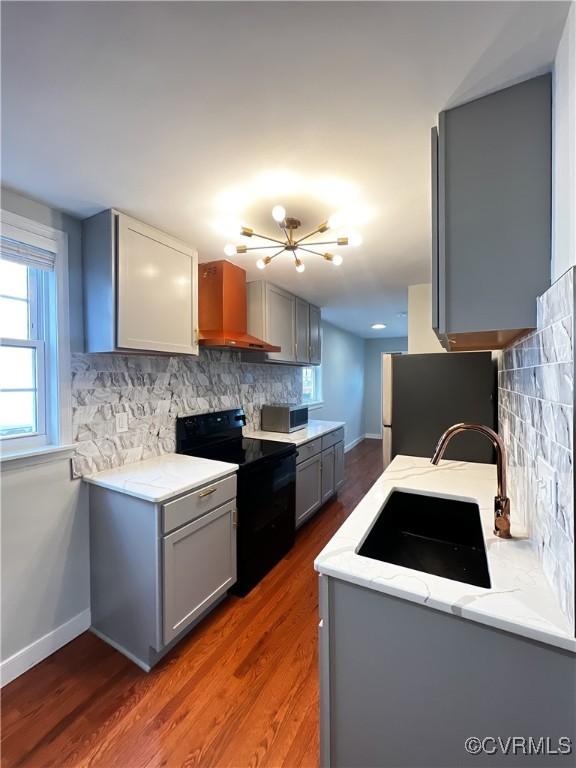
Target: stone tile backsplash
x: 536, y: 418
x: 154, y: 390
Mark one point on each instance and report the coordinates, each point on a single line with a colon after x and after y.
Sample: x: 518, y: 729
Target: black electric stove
x: 266, y: 493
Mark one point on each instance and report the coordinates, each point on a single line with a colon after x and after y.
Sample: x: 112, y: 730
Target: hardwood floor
x: 240, y: 690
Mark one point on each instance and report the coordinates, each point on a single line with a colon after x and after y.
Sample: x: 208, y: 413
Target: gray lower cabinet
x: 328, y: 476
x: 157, y: 569
x: 339, y: 465
x: 319, y: 473
x: 208, y: 543
x: 308, y: 488
x: 404, y: 685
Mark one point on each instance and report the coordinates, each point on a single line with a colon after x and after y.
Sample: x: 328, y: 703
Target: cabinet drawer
x: 332, y: 438
x: 308, y: 450
x: 176, y: 513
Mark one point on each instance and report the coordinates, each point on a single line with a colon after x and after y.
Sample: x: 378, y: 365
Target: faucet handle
x: 502, y: 517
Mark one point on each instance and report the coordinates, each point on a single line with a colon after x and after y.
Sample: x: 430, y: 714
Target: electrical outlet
x: 547, y: 483
x: 122, y: 422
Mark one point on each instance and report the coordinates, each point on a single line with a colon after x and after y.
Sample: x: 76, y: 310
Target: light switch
x: 122, y: 422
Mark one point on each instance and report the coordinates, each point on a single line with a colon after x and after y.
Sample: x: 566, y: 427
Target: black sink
x: 431, y: 534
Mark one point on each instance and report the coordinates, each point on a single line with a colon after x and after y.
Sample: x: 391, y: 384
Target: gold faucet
x: 501, y: 502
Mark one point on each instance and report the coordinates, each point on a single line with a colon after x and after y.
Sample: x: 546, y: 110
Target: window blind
x: 27, y: 254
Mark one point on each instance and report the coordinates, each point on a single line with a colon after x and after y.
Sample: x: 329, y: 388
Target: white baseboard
x: 28, y: 657
x: 358, y: 440
x: 353, y: 444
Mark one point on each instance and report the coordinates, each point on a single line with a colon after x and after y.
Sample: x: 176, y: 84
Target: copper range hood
x: 222, y: 308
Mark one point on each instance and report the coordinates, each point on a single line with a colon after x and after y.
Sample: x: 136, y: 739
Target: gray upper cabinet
x: 302, y: 326
x: 491, y: 202
x: 315, y: 336
x: 285, y: 320
x: 281, y: 323
x: 140, y: 287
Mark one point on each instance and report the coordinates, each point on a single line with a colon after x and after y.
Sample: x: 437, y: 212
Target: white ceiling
x: 183, y: 114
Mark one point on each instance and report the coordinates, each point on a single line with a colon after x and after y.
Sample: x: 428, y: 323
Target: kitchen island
x: 413, y: 664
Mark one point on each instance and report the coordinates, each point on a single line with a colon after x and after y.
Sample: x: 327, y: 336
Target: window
x: 22, y: 364
x: 312, y: 385
x: 34, y: 354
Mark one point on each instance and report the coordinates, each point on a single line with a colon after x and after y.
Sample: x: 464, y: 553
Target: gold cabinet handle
x: 209, y: 492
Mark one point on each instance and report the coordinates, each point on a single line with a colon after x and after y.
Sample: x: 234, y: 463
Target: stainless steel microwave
x: 284, y: 417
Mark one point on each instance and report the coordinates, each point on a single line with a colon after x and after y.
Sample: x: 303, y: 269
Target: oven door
x: 298, y: 419
x: 266, y: 503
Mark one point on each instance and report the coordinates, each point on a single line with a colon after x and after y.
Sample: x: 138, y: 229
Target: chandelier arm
x: 277, y: 253
x: 309, y: 250
x: 265, y: 237
x: 262, y: 247
x: 315, y: 232
x: 324, y: 242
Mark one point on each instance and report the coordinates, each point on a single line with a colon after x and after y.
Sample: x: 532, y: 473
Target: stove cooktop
x: 241, y: 451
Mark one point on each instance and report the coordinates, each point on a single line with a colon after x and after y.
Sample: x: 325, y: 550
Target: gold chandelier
x: 291, y: 243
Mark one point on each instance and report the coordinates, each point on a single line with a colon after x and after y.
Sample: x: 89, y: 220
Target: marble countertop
x: 162, y: 477
x: 315, y: 428
x: 520, y: 599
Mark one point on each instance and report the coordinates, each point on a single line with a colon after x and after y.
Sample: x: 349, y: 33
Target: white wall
x: 45, y: 563
x: 373, y: 351
x: 564, y: 151
x: 421, y: 337
x: 45, y: 587
x: 342, y: 381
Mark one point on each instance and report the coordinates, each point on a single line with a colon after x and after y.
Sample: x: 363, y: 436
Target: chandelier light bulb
x: 335, y: 221
x: 278, y: 213
x: 229, y: 249
x: 262, y: 263
x: 300, y: 266
x: 337, y: 260
x: 355, y: 240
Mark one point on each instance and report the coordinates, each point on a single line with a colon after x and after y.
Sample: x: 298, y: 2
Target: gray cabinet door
x: 315, y: 336
x: 280, y: 322
x: 308, y: 488
x: 302, y: 330
x: 199, y: 565
x: 339, y: 465
x: 125, y: 308
x: 493, y: 207
x: 328, y: 473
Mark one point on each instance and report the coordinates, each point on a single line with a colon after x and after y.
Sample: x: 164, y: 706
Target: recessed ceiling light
x: 378, y: 326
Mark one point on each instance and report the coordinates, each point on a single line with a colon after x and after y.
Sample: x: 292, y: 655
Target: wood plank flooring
x: 240, y: 691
